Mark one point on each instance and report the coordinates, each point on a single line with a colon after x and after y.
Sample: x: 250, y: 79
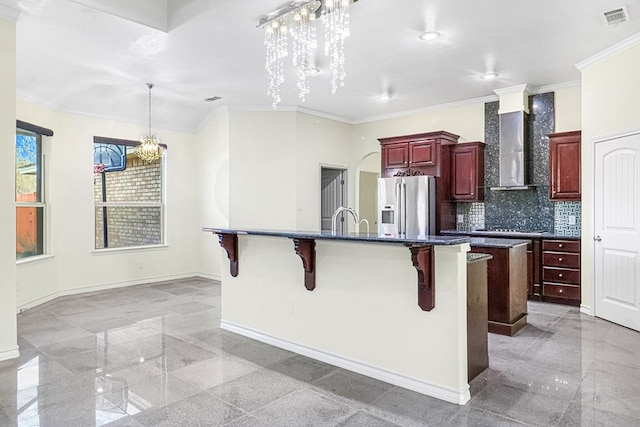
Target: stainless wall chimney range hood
x: 513, y: 139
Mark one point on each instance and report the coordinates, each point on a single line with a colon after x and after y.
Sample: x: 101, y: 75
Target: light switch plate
x: 460, y: 219
x: 572, y: 220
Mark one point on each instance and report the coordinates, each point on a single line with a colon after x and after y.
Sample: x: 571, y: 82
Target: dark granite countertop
x: 491, y: 242
x: 473, y: 257
x: 362, y: 237
x: 561, y: 236
x: 511, y: 235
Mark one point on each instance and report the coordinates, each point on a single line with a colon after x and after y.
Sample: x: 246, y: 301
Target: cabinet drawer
x: 561, y: 275
x: 561, y: 246
x: 561, y: 291
x: 560, y: 259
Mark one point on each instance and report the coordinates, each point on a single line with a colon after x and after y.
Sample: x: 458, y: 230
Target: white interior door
x: 617, y: 230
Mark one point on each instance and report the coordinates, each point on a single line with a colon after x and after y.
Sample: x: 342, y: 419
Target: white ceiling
x: 95, y: 56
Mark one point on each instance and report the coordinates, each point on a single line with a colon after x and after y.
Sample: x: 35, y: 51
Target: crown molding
x: 554, y: 87
x: 429, y: 109
x: 513, y: 90
x: 9, y: 13
x: 617, y: 48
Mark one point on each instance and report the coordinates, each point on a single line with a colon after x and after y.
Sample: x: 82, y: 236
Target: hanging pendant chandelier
x: 298, y: 20
x: 149, y: 149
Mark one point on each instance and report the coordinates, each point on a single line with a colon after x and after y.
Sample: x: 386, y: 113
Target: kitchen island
x: 553, y: 262
x: 353, y: 302
x: 506, y: 282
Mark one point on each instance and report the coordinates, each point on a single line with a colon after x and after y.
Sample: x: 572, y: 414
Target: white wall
x: 212, y: 198
x: 363, y: 314
x: 464, y: 120
x: 610, y: 93
x: 568, y: 109
x: 262, y: 169
x: 274, y: 173
x: 74, y: 265
x: 8, y: 339
x: 321, y: 142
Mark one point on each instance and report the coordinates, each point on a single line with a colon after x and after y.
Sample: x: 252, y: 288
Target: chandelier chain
x: 149, y: 149
x: 150, y: 86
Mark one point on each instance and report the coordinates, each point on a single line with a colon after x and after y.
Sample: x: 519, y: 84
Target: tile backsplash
x: 472, y: 215
x: 567, y: 218
x: 520, y: 209
x: 523, y: 209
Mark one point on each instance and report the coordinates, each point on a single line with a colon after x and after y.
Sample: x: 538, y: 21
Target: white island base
x: 363, y: 314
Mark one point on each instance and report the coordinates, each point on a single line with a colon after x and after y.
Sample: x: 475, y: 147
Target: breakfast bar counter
x: 352, y: 302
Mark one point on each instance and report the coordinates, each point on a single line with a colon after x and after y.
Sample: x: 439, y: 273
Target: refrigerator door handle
x: 399, y: 207
x: 403, y: 205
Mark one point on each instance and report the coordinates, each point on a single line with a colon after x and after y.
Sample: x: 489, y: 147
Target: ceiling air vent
x: 616, y: 16
x: 213, y: 98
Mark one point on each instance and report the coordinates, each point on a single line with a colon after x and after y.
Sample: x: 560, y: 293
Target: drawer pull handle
x: 560, y: 259
x: 560, y: 245
x: 559, y: 291
x: 560, y: 275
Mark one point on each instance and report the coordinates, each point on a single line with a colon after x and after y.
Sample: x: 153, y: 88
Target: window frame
x: 28, y: 129
x: 161, y: 204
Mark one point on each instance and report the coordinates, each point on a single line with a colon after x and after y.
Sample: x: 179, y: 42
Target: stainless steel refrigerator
x: 406, y: 205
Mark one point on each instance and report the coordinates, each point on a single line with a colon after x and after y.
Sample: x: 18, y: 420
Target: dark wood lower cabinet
x: 536, y: 278
x: 560, y: 271
x: 477, y: 322
x: 507, y: 288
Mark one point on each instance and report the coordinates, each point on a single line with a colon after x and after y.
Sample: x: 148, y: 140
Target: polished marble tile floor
x: 153, y: 355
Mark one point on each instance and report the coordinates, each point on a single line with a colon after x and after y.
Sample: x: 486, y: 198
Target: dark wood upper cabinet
x: 467, y: 172
x: 417, y: 154
x: 423, y: 153
x: 564, y: 156
x: 395, y: 156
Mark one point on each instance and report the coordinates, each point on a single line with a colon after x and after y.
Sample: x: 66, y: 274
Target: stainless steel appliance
x: 406, y: 205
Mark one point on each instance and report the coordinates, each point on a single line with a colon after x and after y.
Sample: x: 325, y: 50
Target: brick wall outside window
x: 130, y: 225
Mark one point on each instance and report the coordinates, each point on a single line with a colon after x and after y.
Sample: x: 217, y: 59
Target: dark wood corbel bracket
x: 306, y: 250
x: 229, y: 243
x: 422, y: 258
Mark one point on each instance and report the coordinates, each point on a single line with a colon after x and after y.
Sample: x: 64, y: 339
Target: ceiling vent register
x: 616, y: 16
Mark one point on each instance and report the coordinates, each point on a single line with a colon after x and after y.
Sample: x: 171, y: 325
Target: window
x: 128, y: 196
x: 30, y: 200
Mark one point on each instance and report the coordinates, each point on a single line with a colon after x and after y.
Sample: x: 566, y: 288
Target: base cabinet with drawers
x: 561, y: 271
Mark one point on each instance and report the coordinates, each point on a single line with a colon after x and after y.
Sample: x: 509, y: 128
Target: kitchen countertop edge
x: 362, y: 237
x: 507, y: 235
x: 475, y: 256
x: 491, y: 242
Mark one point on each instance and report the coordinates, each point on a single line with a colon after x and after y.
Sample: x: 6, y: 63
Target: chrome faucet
x: 337, y: 212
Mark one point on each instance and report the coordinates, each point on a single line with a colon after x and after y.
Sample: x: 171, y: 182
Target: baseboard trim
x: 101, y: 287
x: 209, y: 276
x: 403, y: 381
x: 9, y: 354
x: 586, y: 310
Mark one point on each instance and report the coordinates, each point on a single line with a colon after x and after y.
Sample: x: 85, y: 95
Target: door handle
x: 597, y: 238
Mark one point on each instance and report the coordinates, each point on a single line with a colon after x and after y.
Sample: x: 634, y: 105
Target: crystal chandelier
x: 149, y: 149
x: 298, y: 21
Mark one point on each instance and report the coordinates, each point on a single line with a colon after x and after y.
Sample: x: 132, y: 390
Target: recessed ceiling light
x: 384, y: 97
x: 429, y: 35
x: 312, y: 71
x: 489, y: 76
